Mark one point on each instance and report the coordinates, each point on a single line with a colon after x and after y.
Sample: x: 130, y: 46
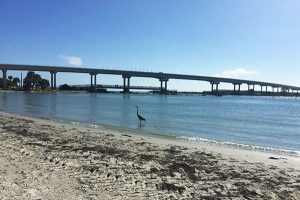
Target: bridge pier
x: 214, y: 90
x: 163, y: 89
x: 239, y: 86
x: 93, y: 85
x: 126, y: 87
x: 53, y: 80
x: 4, y: 79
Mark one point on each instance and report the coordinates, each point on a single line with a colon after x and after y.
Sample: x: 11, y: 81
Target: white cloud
x: 236, y: 73
x: 72, y: 60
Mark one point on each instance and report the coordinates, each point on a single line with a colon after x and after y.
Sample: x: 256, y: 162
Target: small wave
x: 240, y: 146
x: 76, y: 123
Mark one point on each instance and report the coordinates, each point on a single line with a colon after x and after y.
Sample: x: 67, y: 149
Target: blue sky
x: 257, y: 39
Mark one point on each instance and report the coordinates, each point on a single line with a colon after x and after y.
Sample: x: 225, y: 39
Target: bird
x: 140, y: 117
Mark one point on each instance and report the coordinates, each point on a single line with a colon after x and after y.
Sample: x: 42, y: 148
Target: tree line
x: 32, y: 81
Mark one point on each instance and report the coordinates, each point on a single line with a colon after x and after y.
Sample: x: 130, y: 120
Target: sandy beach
x: 42, y: 159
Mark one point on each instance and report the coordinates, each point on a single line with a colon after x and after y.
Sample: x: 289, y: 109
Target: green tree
x: 44, y: 83
x: 28, y: 81
x: 16, y: 81
x: 32, y: 80
x: 10, y: 78
x: 35, y: 81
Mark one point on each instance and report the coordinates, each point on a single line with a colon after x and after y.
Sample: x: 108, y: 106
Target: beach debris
x: 277, y: 158
x: 171, y: 187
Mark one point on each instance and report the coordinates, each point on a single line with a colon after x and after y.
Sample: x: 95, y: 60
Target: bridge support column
x: 163, y: 85
x: 93, y: 81
x: 166, y: 85
x: 266, y: 88
x: 261, y: 88
x: 126, y: 87
x: 128, y: 84
x: 4, y: 79
x: 214, y: 90
x: 53, y: 80
x: 124, y: 84
x: 239, y: 86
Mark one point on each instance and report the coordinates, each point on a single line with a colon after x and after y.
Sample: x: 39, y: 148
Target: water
x: 250, y: 122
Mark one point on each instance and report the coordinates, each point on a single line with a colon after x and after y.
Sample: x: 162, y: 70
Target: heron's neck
x: 137, y: 110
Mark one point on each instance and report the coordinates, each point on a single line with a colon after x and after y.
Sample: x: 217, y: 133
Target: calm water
x: 261, y: 121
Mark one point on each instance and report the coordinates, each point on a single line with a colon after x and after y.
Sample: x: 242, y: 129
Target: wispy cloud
x: 236, y: 73
x: 72, y: 60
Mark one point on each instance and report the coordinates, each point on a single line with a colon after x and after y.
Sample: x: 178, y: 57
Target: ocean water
x: 257, y: 123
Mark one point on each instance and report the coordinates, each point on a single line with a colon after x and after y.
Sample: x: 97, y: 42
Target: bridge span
x: 162, y: 77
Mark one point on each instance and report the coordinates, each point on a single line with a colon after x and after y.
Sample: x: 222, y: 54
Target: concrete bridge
x: 162, y: 77
x: 119, y: 87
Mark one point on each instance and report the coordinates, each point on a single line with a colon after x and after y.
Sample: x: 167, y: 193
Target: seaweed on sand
x: 171, y: 187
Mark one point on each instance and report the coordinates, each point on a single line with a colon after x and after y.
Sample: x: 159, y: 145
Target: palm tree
x: 16, y: 81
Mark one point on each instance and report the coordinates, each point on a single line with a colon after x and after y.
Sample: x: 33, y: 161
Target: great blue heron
x: 140, y: 117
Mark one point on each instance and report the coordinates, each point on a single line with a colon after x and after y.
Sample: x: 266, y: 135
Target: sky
x: 254, y: 39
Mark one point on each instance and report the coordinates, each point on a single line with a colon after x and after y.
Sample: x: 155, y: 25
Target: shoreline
x: 272, y: 151
x: 50, y: 159
x: 181, y: 140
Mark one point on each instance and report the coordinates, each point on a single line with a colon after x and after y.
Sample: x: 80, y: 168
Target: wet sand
x: 41, y: 159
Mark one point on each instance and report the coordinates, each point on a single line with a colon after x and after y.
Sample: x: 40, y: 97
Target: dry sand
x: 41, y: 159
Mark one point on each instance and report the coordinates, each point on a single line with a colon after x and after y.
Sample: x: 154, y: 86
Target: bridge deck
x: 121, y: 87
x: 158, y: 75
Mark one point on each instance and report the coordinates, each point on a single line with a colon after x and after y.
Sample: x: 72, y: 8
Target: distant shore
x: 51, y: 160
